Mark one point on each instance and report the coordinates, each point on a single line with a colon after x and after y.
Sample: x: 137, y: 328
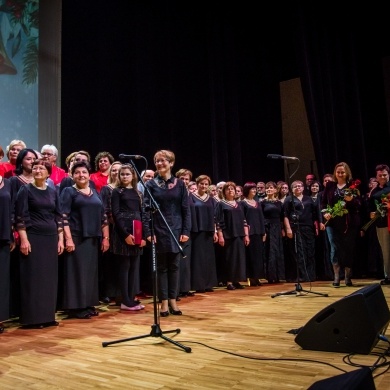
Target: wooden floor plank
x: 239, y: 340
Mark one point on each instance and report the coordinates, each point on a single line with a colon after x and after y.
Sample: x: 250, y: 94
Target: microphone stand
x: 156, y: 329
x: 298, y: 288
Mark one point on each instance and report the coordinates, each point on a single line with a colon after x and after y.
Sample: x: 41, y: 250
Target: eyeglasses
x: 47, y: 154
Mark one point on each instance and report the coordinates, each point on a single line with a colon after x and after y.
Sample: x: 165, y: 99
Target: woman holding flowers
x: 340, y: 204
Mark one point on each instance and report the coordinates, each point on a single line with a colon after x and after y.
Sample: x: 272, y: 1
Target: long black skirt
x: 203, y: 268
x: 4, y: 280
x: 39, y: 280
x: 235, y: 259
x: 81, y: 274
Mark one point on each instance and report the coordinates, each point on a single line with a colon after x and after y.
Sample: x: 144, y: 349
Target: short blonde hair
x: 167, y: 154
x: 14, y: 143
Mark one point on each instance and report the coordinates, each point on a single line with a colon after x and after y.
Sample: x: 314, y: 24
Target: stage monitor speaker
x: 350, y: 325
x: 355, y: 380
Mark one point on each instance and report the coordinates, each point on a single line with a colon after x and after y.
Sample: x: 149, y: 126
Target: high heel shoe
x: 175, y: 312
x: 164, y: 313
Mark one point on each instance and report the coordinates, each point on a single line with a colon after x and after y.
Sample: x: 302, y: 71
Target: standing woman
x: 301, y: 221
x: 38, y: 221
x: 6, y: 246
x: 23, y: 171
x: 342, y: 230
x: 273, y: 217
x: 171, y: 194
x: 127, y: 206
x: 7, y: 167
x: 203, y: 237
x: 233, y: 235
x: 255, y: 219
x: 22, y: 175
x: 85, y: 232
x: 108, y: 278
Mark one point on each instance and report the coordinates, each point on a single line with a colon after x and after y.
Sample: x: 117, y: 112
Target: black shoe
x: 238, y: 285
x: 190, y: 294
x: 348, y: 282
x: 164, y: 313
x: 80, y: 314
x: 230, y: 287
x: 385, y: 281
x: 175, y: 312
x: 92, y: 311
x: 336, y: 284
x: 32, y: 326
x: 51, y: 323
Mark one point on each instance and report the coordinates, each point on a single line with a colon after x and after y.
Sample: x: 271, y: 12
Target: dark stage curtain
x: 202, y: 79
x: 340, y: 55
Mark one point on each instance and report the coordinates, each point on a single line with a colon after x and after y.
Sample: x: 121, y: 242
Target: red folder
x: 137, y: 231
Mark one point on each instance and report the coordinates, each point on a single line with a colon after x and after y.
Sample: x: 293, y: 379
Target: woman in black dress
x: 38, y: 221
x: 203, y: 237
x: 274, y: 232
x: 108, y: 278
x: 301, y: 221
x: 255, y: 219
x: 233, y: 235
x: 127, y: 206
x: 171, y: 226
x: 22, y: 176
x: 7, y: 244
x: 85, y: 232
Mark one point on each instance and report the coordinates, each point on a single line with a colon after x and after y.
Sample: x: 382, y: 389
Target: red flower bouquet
x: 353, y: 190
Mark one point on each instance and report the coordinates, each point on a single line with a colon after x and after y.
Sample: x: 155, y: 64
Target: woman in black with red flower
x: 342, y: 229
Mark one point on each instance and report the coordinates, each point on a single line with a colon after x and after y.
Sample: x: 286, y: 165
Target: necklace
x: 232, y: 203
x: 251, y: 202
x: 40, y: 188
x: 85, y: 191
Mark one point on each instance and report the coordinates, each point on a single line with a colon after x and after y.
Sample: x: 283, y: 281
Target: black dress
x: 231, y: 220
x: 254, y: 251
x: 108, y: 266
x: 273, y: 253
x: 6, y: 207
x: 85, y: 216
x: 203, y: 268
x: 38, y: 212
x: 302, y: 215
x: 127, y: 206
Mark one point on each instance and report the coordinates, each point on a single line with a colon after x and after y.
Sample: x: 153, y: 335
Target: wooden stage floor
x: 239, y: 340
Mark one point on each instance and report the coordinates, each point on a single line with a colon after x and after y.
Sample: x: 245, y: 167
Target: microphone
x: 280, y: 157
x: 130, y: 156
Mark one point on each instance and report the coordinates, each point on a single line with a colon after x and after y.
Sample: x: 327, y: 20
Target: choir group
x: 73, y: 239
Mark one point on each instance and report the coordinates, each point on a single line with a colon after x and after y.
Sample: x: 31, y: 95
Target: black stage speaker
x: 350, y: 325
x: 355, y: 380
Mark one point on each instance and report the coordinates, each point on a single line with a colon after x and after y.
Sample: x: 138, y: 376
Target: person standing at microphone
x: 171, y: 194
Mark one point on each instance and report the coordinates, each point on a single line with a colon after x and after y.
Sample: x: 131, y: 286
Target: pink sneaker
x: 132, y: 308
